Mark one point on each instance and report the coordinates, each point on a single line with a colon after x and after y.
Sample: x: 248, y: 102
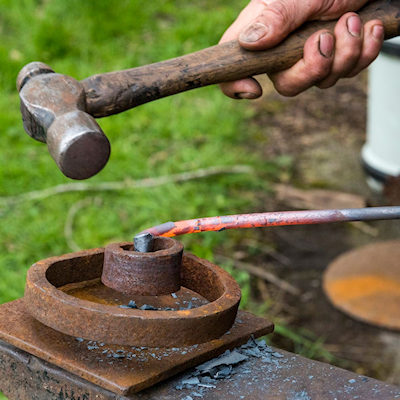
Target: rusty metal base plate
x: 123, y: 370
x: 365, y: 283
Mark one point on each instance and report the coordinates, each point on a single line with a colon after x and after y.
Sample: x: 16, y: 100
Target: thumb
x: 275, y: 20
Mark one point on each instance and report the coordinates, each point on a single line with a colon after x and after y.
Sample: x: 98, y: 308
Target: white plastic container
x: 381, y: 152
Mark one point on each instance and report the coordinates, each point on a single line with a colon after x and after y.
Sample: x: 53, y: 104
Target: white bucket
x: 381, y: 152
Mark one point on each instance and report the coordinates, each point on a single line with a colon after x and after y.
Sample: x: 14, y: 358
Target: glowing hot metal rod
x: 279, y: 218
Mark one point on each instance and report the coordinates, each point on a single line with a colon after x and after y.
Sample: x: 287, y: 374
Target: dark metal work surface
x: 138, y: 273
x: 365, y: 283
x: 120, y: 369
x: 290, y: 377
x: 48, y: 301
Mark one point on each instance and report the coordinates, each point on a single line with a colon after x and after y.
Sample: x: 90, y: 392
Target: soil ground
x: 322, y: 132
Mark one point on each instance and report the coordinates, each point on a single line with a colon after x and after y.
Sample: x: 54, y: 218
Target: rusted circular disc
x: 365, y: 283
x: 111, y: 324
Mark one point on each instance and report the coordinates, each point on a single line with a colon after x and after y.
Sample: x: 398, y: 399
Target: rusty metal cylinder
x: 147, y: 274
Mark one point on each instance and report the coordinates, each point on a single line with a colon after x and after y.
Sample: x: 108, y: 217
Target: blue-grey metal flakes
x: 190, y: 381
x: 227, y: 358
x: 148, y: 307
x: 132, y: 304
x: 262, y: 344
x: 207, y: 385
x: 255, y: 352
x: 223, y: 372
x: 207, y: 379
x: 251, y: 343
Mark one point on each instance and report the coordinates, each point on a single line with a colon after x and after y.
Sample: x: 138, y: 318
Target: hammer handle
x: 114, y: 92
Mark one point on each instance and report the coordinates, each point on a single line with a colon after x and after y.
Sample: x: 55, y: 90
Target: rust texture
x: 149, y: 274
x: 106, y: 322
x: 365, y: 283
x: 120, y: 369
x: 24, y: 376
x: 279, y: 218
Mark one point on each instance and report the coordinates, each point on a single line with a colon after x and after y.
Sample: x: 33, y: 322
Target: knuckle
x: 334, y: 9
x: 278, y: 12
x: 282, y: 13
x: 326, y: 84
x: 284, y: 89
x: 350, y: 53
x: 318, y: 71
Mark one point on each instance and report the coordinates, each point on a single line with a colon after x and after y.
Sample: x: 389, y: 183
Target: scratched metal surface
x: 291, y: 377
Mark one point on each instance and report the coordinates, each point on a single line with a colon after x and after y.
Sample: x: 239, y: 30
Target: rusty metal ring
x: 148, y: 274
x: 113, y: 325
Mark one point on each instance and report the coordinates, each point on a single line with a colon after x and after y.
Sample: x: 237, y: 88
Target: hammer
x: 61, y: 111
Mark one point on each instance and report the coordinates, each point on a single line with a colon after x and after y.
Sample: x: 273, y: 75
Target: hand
x: 327, y: 57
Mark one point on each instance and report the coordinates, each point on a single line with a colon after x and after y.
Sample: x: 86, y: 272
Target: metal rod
x: 279, y: 218
x: 143, y: 242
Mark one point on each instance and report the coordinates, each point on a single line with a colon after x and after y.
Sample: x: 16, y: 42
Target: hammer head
x: 53, y: 108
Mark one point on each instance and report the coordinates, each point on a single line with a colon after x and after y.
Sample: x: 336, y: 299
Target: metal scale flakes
x: 127, y: 370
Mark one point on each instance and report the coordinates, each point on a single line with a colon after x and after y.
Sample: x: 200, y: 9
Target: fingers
x: 355, y: 47
x: 373, y: 39
x: 243, y: 89
x: 349, y: 42
x: 251, y: 11
x: 315, y: 66
x: 265, y: 23
x: 274, y: 20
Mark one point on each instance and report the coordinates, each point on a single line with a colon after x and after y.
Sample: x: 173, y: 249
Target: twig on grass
x: 69, y: 222
x: 124, y: 185
x: 262, y: 274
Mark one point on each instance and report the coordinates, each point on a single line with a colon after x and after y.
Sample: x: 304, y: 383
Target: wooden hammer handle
x: 114, y: 92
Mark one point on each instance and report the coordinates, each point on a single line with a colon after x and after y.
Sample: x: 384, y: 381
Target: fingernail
x: 326, y: 44
x: 253, y: 33
x: 246, y: 95
x: 378, y: 32
x: 354, y: 25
